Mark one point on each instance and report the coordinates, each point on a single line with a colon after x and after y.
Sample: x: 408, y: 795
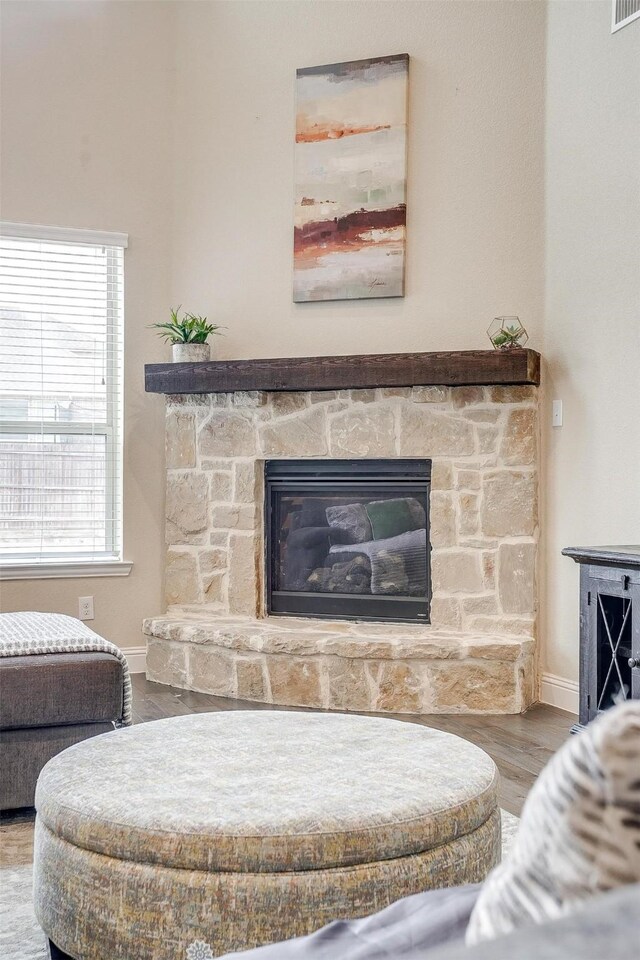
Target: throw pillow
x: 579, y: 834
x: 390, y: 518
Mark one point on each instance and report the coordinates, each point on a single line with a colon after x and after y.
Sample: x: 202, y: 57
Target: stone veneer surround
x: 483, y: 442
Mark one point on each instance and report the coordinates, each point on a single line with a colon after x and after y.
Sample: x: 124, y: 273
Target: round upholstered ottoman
x: 229, y: 830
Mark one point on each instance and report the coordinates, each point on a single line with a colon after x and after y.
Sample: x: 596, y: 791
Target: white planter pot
x: 190, y: 352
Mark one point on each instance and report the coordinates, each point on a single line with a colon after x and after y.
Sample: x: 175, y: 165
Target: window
x: 623, y: 13
x: 61, y: 325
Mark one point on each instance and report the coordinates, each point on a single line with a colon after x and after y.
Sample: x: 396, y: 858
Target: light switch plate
x: 556, y: 413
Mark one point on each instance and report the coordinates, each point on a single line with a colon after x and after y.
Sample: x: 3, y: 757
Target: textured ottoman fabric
x: 408, y: 928
x: 265, y: 791
x: 248, y: 828
x: 94, y: 907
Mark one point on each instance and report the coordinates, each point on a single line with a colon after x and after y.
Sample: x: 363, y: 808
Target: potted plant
x: 506, y: 333
x: 188, y: 336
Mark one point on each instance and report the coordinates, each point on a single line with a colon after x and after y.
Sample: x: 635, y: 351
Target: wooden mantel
x: 454, y: 368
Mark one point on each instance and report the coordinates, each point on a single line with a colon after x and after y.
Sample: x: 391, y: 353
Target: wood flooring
x: 520, y: 745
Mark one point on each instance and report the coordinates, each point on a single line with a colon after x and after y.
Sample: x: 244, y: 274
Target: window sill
x: 64, y: 569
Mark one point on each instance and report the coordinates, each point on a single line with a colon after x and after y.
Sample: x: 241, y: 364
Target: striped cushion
x: 579, y: 834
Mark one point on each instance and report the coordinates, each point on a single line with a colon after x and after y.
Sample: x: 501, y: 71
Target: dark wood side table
x: 609, y: 627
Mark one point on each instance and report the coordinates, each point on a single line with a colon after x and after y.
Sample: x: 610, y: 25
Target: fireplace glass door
x: 348, y: 538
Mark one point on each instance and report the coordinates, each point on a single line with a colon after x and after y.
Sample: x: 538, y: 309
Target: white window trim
x: 623, y: 23
x: 35, y: 231
x: 53, y: 569
x: 64, y: 569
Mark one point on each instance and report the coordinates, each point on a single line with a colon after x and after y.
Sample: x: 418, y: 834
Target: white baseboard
x: 559, y: 692
x: 136, y: 658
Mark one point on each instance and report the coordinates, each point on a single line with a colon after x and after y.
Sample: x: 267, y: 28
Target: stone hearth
x: 393, y: 668
x: 477, y: 655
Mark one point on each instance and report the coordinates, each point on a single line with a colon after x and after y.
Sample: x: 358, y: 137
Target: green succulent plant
x: 507, y: 337
x: 189, y: 328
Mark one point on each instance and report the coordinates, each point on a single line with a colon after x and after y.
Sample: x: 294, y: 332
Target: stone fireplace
x: 221, y: 633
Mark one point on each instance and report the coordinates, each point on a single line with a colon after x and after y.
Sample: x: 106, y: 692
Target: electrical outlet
x: 85, y: 608
x: 556, y: 413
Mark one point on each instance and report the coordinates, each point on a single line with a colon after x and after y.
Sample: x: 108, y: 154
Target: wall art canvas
x: 350, y: 206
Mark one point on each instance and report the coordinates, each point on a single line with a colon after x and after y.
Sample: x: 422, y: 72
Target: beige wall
x: 85, y: 143
x: 97, y: 134
x: 475, y: 171
x: 592, y: 323
x: 86, y: 136
x: 494, y: 226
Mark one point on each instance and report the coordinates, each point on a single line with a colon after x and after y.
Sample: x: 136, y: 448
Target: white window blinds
x: 61, y: 324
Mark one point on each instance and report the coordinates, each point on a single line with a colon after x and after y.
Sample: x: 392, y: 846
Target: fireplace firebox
x: 348, y: 539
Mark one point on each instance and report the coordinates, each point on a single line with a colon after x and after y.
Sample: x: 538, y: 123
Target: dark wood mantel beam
x: 454, y: 368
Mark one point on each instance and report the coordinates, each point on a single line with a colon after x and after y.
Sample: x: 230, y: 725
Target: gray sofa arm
x: 607, y: 928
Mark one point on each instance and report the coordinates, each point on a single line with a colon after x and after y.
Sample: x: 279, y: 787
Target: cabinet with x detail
x: 609, y: 627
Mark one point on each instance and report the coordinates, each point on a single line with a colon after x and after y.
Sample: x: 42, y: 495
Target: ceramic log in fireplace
x: 348, y: 538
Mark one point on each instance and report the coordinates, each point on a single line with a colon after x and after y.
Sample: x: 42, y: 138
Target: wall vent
x: 623, y: 12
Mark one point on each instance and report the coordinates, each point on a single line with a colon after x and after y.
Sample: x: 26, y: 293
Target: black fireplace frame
x: 411, y: 475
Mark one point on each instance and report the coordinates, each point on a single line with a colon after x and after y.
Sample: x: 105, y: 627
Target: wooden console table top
x: 609, y: 556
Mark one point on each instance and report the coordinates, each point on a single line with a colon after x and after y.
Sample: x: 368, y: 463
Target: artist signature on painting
x: 377, y: 282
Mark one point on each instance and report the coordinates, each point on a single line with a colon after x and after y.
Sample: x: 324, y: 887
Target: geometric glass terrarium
x: 507, y: 332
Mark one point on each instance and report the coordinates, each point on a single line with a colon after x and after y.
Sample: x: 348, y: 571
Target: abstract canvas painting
x: 350, y: 207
